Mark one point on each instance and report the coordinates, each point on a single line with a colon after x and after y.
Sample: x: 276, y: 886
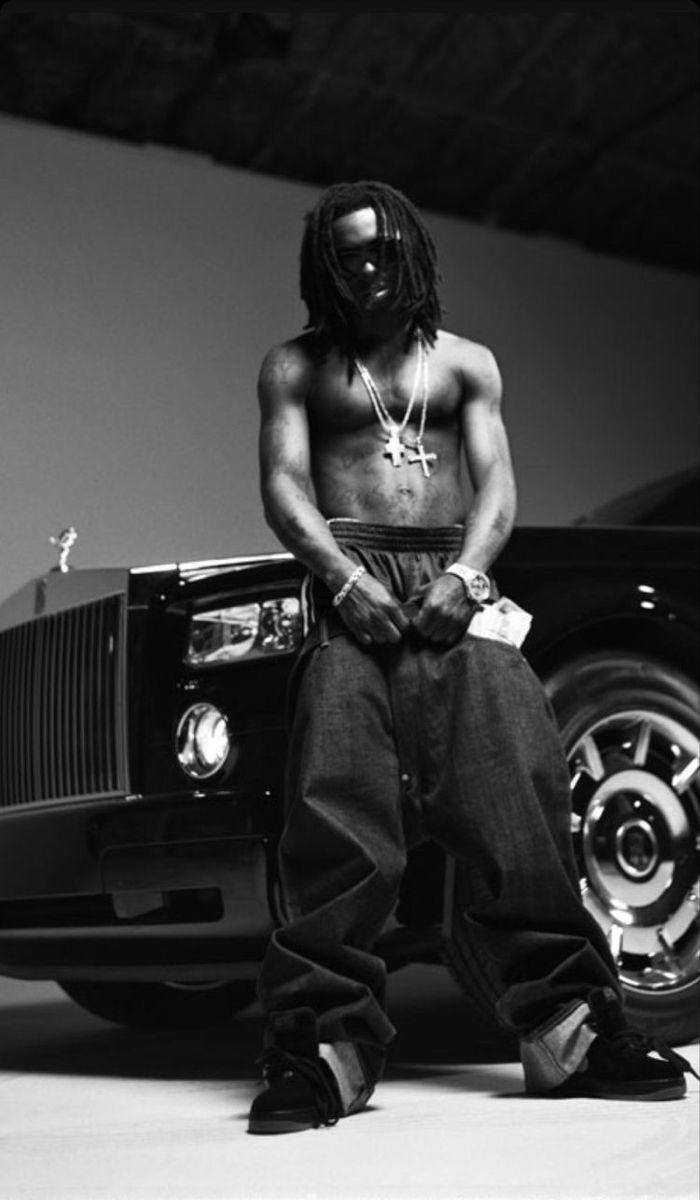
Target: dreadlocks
x: 329, y: 301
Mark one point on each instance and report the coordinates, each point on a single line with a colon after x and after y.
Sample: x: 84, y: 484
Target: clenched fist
x: 445, y: 611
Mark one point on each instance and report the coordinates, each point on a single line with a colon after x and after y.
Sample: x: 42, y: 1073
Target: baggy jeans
x: 461, y: 744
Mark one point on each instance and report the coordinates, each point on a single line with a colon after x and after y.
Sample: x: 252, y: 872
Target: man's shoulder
x: 294, y: 350
x: 290, y: 363
x: 472, y: 359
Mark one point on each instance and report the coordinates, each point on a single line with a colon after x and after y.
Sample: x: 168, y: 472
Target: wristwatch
x: 476, y: 584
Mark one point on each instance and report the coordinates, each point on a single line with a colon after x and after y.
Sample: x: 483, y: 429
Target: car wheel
x: 163, y: 1005
x: 630, y: 728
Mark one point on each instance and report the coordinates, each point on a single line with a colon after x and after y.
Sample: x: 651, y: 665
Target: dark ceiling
x: 578, y: 124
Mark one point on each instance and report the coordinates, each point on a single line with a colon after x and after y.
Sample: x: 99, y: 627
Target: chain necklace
x: 396, y: 443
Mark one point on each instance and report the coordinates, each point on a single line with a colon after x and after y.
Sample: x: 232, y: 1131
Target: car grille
x: 62, y: 705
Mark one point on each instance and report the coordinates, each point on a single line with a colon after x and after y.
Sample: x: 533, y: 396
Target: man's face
x: 368, y: 258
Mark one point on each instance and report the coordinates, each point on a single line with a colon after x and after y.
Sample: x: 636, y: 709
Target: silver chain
x: 383, y: 416
x: 395, y: 445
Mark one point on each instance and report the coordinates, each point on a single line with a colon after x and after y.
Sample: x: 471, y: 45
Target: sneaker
x: 618, y: 1065
x: 301, y: 1093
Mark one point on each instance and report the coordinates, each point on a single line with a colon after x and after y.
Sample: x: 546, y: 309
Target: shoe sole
x: 277, y: 1127
x: 281, y: 1125
x: 570, y: 1091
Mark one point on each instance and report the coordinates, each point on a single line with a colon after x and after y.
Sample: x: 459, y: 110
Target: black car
x: 142, y: 739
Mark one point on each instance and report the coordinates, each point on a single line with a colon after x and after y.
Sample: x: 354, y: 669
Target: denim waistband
x: 417, y: 538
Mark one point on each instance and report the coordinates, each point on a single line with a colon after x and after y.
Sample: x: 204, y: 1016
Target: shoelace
x: 276, y: 1063
x: 630, y: 1039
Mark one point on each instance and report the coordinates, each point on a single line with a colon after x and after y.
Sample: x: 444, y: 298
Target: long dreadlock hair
x: 330, y: 302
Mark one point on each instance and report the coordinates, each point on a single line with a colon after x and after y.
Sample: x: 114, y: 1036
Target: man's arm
x: 492, y: 513
x: 285, y: 476
x: 368, y: 610
x: 445, y: 611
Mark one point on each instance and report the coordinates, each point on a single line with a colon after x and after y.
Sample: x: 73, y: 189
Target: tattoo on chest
x: 360, y: 454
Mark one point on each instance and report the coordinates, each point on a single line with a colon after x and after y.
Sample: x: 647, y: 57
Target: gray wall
x: 141, y: 288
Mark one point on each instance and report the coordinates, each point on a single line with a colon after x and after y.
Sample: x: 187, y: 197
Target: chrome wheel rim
x: 635, y: 790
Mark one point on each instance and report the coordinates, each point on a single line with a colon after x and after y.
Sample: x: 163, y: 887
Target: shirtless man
x: 406, y: 724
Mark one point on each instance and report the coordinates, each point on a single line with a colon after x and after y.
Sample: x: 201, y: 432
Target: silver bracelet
x: 348, y: 586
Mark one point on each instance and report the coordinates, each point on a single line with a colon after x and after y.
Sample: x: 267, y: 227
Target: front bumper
x: 168, y: 887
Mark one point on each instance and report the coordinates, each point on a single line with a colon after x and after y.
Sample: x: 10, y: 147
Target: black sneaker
x: 618, y: 1065
x: 301, y: 1093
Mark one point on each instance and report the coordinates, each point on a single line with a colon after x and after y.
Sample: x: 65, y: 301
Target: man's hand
x: 445, y: 611
x: 372, y: 614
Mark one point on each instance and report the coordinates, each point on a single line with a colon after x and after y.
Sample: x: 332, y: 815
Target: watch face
x: 479, y: 588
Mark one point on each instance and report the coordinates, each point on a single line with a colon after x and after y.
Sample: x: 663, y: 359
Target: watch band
x: 476, y: 583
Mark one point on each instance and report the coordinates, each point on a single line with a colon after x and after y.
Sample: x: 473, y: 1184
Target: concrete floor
x: 89, y: 1111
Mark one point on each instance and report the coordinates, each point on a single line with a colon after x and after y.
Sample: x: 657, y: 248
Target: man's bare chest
x: 338, y: 405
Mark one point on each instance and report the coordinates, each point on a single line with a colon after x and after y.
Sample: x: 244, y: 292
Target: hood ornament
x: 65, y: 540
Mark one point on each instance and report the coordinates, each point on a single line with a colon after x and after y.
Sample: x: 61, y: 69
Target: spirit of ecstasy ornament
x: 65, y: 541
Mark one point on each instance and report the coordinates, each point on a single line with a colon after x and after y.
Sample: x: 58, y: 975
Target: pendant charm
x: 423, y: 458
x: 394, y: 448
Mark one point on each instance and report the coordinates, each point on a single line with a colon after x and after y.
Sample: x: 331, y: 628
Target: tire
x: 163, y: 1005
x: 629, y: 727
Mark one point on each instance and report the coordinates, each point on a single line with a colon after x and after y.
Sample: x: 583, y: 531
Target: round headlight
x: 203, y: 741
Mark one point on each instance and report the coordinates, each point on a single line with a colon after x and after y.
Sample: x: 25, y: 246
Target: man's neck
x: 384, y: 335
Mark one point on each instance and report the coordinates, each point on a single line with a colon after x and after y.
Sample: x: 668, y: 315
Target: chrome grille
x: 62, y: 705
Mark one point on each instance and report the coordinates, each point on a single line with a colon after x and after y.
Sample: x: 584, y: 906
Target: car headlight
x: 203, y: 741
x: 252, y: 630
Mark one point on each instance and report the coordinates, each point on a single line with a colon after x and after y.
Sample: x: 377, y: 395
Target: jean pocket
x: 482, y: 639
